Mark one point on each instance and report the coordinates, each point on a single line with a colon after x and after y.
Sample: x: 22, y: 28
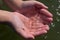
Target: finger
x: 48, y: 19
x: 46, y: 27
x: 46, y: 22
x: 39, y: 32
x: 37, y: 26
x: 45, y: 12
x: 40, y: 5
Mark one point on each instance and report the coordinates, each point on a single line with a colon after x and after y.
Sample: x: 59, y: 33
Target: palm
x: 36, y: 23
x: 35, y: 26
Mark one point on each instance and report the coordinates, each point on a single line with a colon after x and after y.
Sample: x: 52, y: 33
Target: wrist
x: 13, y: 2
x: 11, y: 17
x: 4, y: 16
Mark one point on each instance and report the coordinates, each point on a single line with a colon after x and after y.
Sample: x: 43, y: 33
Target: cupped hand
x: 30, y: 8
x: 36, y: 16
x: 30, y: 27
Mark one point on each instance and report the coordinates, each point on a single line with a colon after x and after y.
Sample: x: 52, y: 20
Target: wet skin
x: 35, y: 17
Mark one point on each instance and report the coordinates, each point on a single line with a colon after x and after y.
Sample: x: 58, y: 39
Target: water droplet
x: 52, y: 5
x: 58, y: 32
x: 45, y: 37
x: 59, y: 1
x: 58, y: 13
x: 57, y: 19
x: 57, y: 9
x: 59, y: 6
x: 53, y: 25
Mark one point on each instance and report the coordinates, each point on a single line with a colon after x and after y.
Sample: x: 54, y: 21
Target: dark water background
x: 6, y: 33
